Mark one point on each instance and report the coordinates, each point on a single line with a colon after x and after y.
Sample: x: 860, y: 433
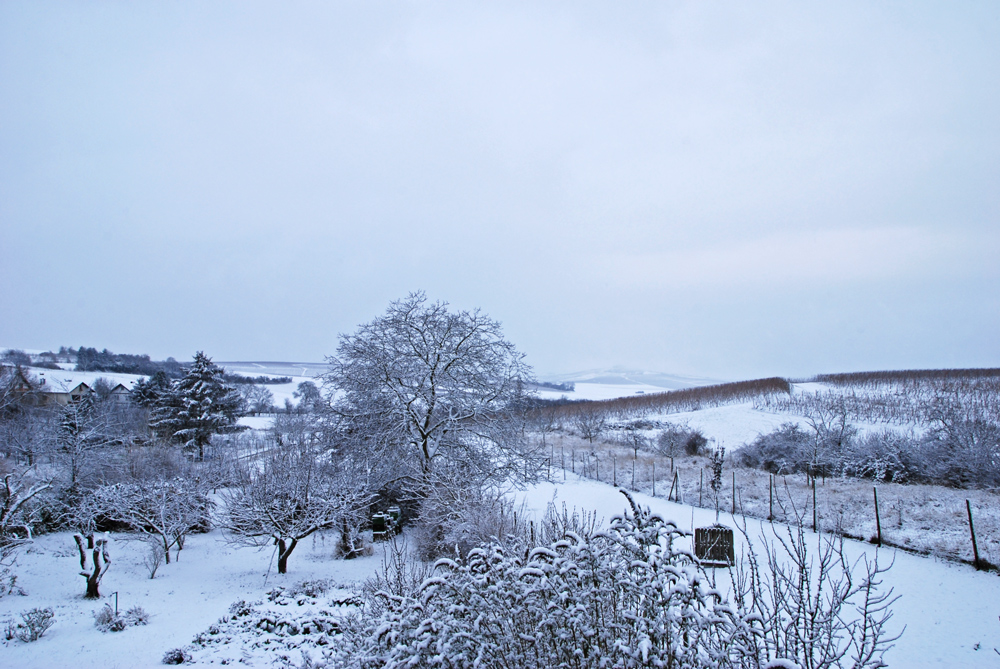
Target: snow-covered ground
x: 949, y: 610
x: 185, y: 598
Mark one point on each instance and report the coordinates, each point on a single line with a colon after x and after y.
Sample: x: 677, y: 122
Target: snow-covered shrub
x: 176, y: 656
x: 107, y: 619
x: 456, y: 518
x: 136, y: 616
x: 962, y: 452
x: 675, y: 440
x: 34, y: 624
x: 886, y: 456
x: 787, y: 450
x: 624, y: 597
x: 8, y: 584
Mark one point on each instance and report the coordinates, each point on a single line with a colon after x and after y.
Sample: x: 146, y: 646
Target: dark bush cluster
x: 92, y: 360
x: 675, y: 440
x: 240, y: 379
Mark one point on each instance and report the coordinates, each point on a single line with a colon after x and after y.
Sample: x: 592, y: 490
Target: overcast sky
x: 720, y: 189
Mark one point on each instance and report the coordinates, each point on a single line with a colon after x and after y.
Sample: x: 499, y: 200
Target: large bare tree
x: 435, y: 393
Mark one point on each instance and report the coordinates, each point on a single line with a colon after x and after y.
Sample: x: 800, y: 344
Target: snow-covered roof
x: 61, y: 381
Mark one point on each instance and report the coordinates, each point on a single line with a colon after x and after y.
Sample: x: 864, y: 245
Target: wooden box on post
x: 713, y: 546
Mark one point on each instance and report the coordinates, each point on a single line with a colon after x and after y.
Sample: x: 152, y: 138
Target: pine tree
x: 147, y: 392
x: 196, y: 407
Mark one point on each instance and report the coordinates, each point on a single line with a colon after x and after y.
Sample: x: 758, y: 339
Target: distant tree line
x: 92, y: 360
x: 687, y: 399
x: 239, y: 379
x: 550, y: 385
x: 89, y: 359
x: 872, y: 379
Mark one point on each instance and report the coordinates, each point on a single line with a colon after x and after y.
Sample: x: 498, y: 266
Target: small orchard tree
x: 168, y: 510
x: 296, y: 492
x: 590, y: 422
x: 196, y: 407
x: 18, y: 489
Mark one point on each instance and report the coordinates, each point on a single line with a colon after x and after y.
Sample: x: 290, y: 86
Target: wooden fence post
x: 814, y: 504
x: 878, y: 520
x: 975, y: 549
x: 734, y: 492
x: 770, y: 494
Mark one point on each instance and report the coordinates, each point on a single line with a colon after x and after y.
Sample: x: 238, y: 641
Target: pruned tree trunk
x: 94, y: 568
x: 285, y: 549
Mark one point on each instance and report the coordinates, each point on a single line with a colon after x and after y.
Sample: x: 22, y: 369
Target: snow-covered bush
x: 176, y: 656
x: 457, y: 518
x: 784, y: 451
x: 675, y: 440
x: 107, y: 619
x: 884, y: 456
x: 625, y: 597
x: 8, y: 584
x: 34, y: 624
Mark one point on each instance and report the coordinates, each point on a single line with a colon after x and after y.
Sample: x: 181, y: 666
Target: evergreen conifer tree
x: 197, y: 406
x: 147, y: 392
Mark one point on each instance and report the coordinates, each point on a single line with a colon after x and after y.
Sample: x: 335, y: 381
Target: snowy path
x: 948, y: 609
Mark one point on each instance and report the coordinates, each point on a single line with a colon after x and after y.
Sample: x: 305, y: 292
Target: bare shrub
x: 8, y: 584
x: 34, y: 623
x: 456, y: 519
x: 400, y: 575
x: 154, y: 556
x: 818, y: 610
